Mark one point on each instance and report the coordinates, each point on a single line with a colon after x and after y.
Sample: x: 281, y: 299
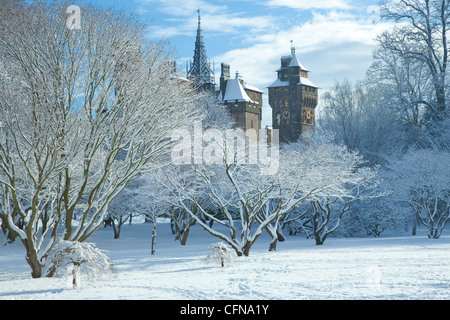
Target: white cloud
x: 319, y: 36
x: 310, y: 4
x: 160, y: 32
x: 215, y: 19
x: 235, y: 23
x: 223, y: 24
x: 179, y: 8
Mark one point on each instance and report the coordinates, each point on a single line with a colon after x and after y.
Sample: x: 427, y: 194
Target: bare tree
x: 250, y: 203
x: 363, y: 118
x: 405, y: 84
x: 328, y: 211
x: 422, y: 180
x: 234, y: 205
x: 84, y: 114
x: 421, y: 34
x: 342, y: 177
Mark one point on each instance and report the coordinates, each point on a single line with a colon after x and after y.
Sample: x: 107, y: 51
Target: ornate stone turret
x: 200, y: 71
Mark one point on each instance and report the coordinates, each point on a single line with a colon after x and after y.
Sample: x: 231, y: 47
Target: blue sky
x: 333, y: 38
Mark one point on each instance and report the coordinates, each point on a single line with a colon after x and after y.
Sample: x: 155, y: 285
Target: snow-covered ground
x: 390, y: 267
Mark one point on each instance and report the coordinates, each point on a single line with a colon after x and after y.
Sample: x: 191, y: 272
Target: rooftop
x: 235, y: 91
x: 303, y: 81
x: 296, y: 63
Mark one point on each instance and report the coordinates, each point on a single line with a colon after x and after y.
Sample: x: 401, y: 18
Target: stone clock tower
x: 293, y: 99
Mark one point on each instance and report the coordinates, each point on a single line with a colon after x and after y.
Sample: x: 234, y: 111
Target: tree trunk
x: 280, y: 236
x: 433, y: 233
x: 316, y: 231
x: 274, y: 234
x: 116, y: 229
x: 154, y: 239
x: 184, y: 236
x: 277, y: 236
x: 440, y: 96
x: 75, y: 280
x: 319, y: 239
x: 246, y: 250
x: 273, y: 245
x: 32, y: 260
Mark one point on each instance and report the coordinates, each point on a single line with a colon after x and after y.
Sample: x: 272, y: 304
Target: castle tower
x: 243, y: 101
x: 293, y: 99
x: 200, y: 71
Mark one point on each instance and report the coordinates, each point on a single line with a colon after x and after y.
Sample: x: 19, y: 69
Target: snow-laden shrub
x: 79, y: 259
x: 220, y: 254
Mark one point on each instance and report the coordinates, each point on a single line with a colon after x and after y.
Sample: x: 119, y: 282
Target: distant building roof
x: 279, y: 83
x: 303, y: 81
x: 296, y: 63
x: 235, y: 91
x: 307, y: 82
x: 252, y: 88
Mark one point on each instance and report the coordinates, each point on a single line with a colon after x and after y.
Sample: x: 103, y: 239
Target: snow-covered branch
x: 83, y: 112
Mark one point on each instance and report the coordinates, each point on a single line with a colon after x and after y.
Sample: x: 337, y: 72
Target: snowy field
x: 391, y: 267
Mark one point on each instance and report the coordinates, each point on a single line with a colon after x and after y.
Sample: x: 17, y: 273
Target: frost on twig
x: 80, y: 259
x: 221, y: 254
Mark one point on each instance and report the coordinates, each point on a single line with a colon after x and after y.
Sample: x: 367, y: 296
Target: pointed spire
x: 294, y: 60
x: 200, y: 70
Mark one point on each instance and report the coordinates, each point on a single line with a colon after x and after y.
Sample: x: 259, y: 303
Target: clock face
x: 286, y: 114
x: 308, y: 115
